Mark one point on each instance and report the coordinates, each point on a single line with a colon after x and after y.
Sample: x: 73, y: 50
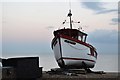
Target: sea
x: 106, y: 63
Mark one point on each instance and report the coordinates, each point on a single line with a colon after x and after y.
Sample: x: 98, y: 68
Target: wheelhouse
x: 73, y: 33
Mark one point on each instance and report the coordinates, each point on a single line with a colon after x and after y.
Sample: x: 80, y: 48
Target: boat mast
x: 70, y: 14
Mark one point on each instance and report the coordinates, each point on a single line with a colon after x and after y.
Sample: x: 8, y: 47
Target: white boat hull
x: 71, y: 54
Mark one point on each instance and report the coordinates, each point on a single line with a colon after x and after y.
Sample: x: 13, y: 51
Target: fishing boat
x: 71, y: 49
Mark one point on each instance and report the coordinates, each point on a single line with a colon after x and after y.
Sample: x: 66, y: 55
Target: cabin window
x: 76, y: 37
x: 84, y: 38
x: 80, y: 38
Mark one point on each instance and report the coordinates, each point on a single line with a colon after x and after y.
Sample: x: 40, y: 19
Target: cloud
x: 115, y: 21
x: 106, y: 11
x: 98, y: 7
x: 95, y: 6
x: 50, y: 27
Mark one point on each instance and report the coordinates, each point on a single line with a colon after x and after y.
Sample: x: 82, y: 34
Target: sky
x: 27, y: 28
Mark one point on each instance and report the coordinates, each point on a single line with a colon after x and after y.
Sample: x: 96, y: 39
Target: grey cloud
x: 49, y: 27
x: 107, y: 11
x: 96, y: 6
x: 115, y: 21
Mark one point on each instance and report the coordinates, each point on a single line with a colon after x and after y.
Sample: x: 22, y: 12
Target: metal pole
x: 70, y: 14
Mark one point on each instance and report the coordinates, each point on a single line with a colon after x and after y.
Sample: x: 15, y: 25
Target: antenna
x: 70, y: 14
x: 70, y: 4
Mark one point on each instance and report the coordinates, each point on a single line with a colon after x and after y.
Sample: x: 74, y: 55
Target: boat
x: 71, y: 49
